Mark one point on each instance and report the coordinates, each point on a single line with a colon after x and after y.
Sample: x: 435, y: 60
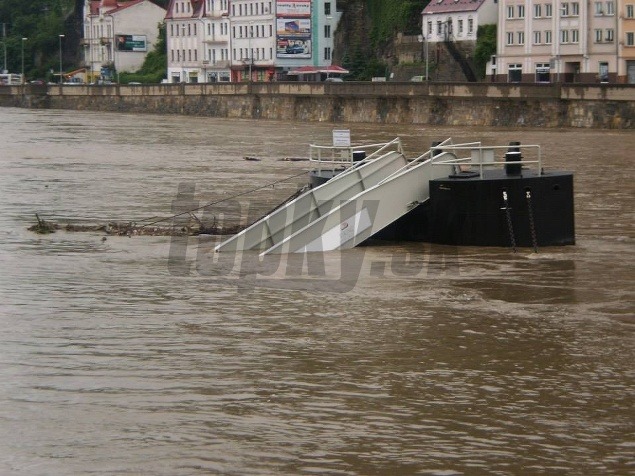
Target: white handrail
x: 338, y: 155
x: 477, y: 151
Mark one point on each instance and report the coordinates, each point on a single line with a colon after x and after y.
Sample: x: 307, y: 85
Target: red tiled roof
x: 111, y: 6
x: 452, y: 6
x: 123, y: 6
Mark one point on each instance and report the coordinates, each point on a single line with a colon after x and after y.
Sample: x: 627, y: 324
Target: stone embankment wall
x: 460, y: 104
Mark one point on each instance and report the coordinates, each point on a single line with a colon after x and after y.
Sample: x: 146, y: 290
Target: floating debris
x: 293, y: 159
x: 43, y: 227
x: 252, y: 159
x: 132, y: 229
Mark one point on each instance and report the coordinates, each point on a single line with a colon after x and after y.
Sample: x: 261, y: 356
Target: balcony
x: 217, y: 14
x: 216, y: 39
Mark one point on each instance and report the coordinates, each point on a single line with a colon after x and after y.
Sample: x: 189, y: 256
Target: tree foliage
x: 485, y: 47
x: 41, y: 22
x: 395, y: 16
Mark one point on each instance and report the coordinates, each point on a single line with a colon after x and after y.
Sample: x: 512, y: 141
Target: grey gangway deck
x: 308, y: 207
x: 347, y: 209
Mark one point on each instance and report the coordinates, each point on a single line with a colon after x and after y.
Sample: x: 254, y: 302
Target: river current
x: 118, y: 355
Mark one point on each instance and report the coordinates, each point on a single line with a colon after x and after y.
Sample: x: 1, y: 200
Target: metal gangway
x: 365, y: 198
x: 383, y: 160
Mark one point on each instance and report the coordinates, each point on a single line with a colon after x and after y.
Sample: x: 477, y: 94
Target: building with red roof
x: 117, y: 35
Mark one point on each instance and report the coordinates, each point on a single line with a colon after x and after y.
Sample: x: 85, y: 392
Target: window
x: 327, y: 53
x: 460, y: 27
x: 327, y: 31
x: 542, y: 73
x: 537, y: 37
x: 548, y: 10
x: 575, y: 9
x: 598, y: 8
x: 515, y: 73
x: 610, y: 35
x: 564, y: 36
x: 598, y: 36
x: 521, y: 11
x: 604, y: 72
x: 575, y: 36
x: 510, y: 11
x: 548, y: 37
x: 610, y: 8
x: 327, y: 8
x: 564, y: 9
x: 510, y: 38
x: 537, y: 10
x: 630, y: 11
x: 439, y: 28
x: 470, y: 26
x: 630, y: 38
x: 521, y: 37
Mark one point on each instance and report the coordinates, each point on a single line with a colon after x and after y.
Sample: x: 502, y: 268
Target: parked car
x: 418, y: 79
x: 333, y: 80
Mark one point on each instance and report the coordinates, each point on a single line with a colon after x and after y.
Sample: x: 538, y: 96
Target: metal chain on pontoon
x: 532, y: 226
x: 510, y: 227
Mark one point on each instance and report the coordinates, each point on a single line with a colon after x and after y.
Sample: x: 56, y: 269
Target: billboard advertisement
x: 131, y: 43
x: 293, y: 29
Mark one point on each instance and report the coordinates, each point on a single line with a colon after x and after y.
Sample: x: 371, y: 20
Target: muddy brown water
x: 146, y: 355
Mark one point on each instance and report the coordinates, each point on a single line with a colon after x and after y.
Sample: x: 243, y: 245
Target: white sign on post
x: 341, y: 138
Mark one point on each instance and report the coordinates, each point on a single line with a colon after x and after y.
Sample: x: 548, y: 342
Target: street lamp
x: 61, y: 36
x: 23, y: 40
x: 424, y: 41
x: 251, y: 59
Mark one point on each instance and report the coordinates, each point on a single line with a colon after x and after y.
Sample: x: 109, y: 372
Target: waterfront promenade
x: 461, y: 104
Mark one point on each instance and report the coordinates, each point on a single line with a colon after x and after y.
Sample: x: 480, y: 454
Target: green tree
x: 41, y: 21
x: 485, y: 48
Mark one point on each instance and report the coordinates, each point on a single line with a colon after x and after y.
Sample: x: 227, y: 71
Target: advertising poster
x: 131, y: 43
x: 293, y: 29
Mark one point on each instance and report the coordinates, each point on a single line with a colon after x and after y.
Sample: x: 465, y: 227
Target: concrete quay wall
x: 469, y: 104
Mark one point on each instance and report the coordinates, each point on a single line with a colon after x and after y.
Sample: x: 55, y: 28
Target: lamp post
x: 251, y: 59
x: 61, y: 76
x: 23, y: 40
x: 4, y: 46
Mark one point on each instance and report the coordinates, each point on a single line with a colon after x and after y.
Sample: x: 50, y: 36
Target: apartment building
x: 247, y: 40
x: 626, y: 44
x: 117, y: 35
x: 553, y: 41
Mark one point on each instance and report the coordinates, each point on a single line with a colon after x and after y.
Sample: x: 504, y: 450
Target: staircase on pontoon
x: 350, y: 207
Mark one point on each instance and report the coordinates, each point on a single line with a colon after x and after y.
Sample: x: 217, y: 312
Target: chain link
x: 532, y: 226
x: 510, y: 227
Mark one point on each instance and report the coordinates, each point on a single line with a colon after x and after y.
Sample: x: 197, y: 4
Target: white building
x: 242, y: 40
x: 557, y: 41
x: 118, y: 35
x: 457, y: 20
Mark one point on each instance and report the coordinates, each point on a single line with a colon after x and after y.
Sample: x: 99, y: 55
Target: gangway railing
x: 333, y: 157
x: 484, y: 157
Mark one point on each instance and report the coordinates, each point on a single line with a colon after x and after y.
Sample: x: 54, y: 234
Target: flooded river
x: 142, y: 355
